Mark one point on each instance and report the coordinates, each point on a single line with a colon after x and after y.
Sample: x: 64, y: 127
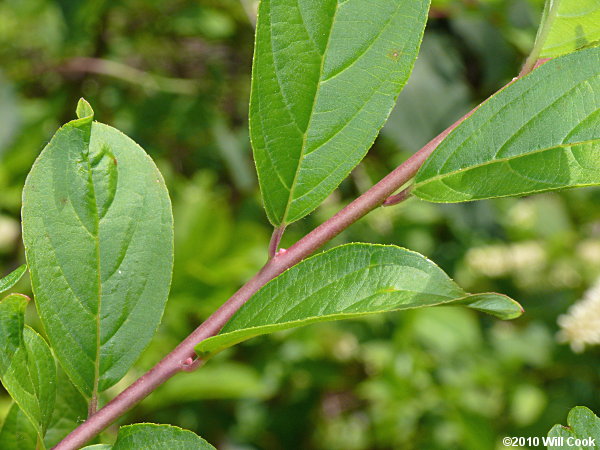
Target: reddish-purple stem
x: 178, y: 360
x: 398, y: 198
x: 275, y: 240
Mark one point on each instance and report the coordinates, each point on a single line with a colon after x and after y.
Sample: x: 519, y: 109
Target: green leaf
x: 225, y: 380
x: 12, y: 278
x: 30, y: 379
x: 150, y: 436
x: 17, y: 432
x: 27, y: 367
x: 325, y: 78
x: 98, y: 233
x: 539, y: 134
x: 84, y: 109
x: 583, y: 426
x: 568, y: 25
x: 12, y: 322
x: 70, y: 410
x: 347, y: 282
x: 559, y: 436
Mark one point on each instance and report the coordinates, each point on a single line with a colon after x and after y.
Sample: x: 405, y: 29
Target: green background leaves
x: 541, y: 133
x: 326, y: 75
x: 346, y: 282
x: 98, y: 234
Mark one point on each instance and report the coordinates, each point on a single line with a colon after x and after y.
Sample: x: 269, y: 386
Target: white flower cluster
x: 501, y: 260
x: 581, y: 325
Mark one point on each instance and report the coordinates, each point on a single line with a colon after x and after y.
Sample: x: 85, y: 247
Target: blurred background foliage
x: 175, y: 75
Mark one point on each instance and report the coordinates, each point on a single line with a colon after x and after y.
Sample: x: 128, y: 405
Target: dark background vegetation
x: 175, y: 76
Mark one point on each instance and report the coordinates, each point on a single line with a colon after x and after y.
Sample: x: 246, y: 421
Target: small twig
x: 174, y: 362
x: 398, y: 198
x: 93, y: 406
x: 275, y: 240
x: 130, y: 74
x: 549, y: 15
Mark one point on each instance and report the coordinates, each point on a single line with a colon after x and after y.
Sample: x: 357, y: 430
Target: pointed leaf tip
x: 497, y: 305
x: 84, y: 109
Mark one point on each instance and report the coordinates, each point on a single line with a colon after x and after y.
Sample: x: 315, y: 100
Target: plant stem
x: 174, y: 362
x: 548, y: 16
x: 93, y: 406
x: 132, y: 75
x: 275, y: 240
x: 398, y: 198
x: 179, y: 359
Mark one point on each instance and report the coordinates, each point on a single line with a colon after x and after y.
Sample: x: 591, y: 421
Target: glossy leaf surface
x: 12, y: 278
x: 584, y: 426
x: 574, y: 24
x: 150, y: 436
x: 325, y: 78
x: 98, y: 233
x: 347, y: 282
x: 539, y: 134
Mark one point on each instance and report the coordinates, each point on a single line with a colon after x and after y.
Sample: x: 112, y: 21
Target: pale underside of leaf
x: 326, y: 75
x: 97, y: 228
x: 539, y: 134
x: 348, y: 282
x: 576, y: 25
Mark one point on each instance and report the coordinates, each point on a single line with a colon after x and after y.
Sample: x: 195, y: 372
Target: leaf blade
x: 70, y: 410
x: 17, y: 431
x: 12, y: 322
x: 30, y: 379
x: 538, y: 148
x: 584, y: 425
x: 98, y: 234
x: 576, y: 25
x: 346, y: 282
x: 151, y: 436
x: 310, y: 128
x: 27, y: 368
x: 12, y: 278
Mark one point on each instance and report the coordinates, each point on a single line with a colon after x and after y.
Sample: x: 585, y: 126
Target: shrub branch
x: 183, y: 357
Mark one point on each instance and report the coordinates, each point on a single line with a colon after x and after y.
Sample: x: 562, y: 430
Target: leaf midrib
x: 96, y: 237
x: 339, y: 279
x: 222, y: 340
x: 441, y: 176
x: 312, y: 111
x: 502, y: 110
x: 322, y: 81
